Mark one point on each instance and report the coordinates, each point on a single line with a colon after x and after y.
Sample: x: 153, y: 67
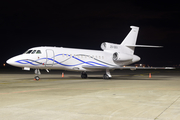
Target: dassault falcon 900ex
x: 113, y: 56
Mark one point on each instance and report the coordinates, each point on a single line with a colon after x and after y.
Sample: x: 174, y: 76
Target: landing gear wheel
x: 105, y: 76
x: 36, y: 78
x: 83, y: 75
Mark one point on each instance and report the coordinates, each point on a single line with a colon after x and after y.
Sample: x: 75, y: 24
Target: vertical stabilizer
x: 131, y: 37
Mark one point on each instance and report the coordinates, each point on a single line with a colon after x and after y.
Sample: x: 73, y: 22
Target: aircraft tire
x: 84, y: 75
x: 37, y: 78
x: 105, y: 76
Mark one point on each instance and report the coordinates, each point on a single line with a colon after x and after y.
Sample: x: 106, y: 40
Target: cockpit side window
x: 29, y: 51
x: 38, y: 52
x: 33, y: 52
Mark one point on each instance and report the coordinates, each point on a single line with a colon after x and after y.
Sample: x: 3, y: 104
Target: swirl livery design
x: 62, y: 63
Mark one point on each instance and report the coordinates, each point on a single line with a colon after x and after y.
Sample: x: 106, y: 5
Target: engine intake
x: 122, y: 57
x: 109, y: 46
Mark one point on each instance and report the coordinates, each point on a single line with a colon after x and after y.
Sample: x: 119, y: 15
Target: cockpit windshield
x: 33, y: 52
x: 29, y: 51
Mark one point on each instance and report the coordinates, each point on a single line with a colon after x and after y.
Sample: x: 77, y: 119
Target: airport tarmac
x: 129, y: 95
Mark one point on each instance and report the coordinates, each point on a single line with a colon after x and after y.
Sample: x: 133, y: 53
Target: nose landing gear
x: 37, y: 73
x: 36, y: 78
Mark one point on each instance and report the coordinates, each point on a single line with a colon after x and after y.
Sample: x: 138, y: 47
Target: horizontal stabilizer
x: 143, y: 46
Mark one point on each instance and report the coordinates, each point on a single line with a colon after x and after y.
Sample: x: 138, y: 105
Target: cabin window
x: 38, y: 52
x: 33, y: 52
x: 102, y: 57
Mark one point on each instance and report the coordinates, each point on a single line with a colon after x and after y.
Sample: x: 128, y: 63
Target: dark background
x: 30, y: 23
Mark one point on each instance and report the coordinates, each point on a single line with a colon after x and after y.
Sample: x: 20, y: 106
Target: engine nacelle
x: 120, y: 57
x: 109, y: 46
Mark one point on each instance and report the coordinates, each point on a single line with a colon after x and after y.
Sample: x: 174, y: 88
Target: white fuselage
x: 66, y: 59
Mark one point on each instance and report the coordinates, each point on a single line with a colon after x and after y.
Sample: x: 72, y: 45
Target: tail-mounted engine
x: 109, y: 46
x: 121, y: 57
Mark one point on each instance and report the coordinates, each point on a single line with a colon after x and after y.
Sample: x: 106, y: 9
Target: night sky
x: 31, y: 23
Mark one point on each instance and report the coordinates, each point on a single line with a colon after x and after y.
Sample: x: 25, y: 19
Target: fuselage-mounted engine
x: 121, y: 57
x: 109, y: 46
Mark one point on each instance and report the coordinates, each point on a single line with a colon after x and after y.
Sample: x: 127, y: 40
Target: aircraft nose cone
x: 9, y: 61
x: 13, y: 61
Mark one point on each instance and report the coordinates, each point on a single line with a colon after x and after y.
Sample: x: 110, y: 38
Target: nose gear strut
x: 37, y: 73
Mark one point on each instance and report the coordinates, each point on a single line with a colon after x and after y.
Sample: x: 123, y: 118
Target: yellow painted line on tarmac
x: 46, y: 89
x: 16, y: 82
x: 4, y: 83
x: 32, y: 81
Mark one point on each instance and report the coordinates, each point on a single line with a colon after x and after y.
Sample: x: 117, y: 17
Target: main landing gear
x: 84, y: 75
x: 37, y: 73
x: 107, y: 75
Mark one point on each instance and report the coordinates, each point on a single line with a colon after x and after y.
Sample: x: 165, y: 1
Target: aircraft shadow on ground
x: 100, y: 78
x: 126, y: 78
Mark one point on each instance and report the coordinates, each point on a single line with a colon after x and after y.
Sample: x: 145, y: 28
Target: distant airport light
x: 4, y: 65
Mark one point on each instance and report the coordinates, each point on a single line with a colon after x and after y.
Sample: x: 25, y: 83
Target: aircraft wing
x: 123, y: 67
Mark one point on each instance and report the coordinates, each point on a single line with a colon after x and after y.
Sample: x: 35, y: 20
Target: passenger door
x: 49, y: 58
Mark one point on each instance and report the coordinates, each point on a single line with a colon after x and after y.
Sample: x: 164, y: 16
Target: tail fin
x: 130, y: 41
x: 131, y: 37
